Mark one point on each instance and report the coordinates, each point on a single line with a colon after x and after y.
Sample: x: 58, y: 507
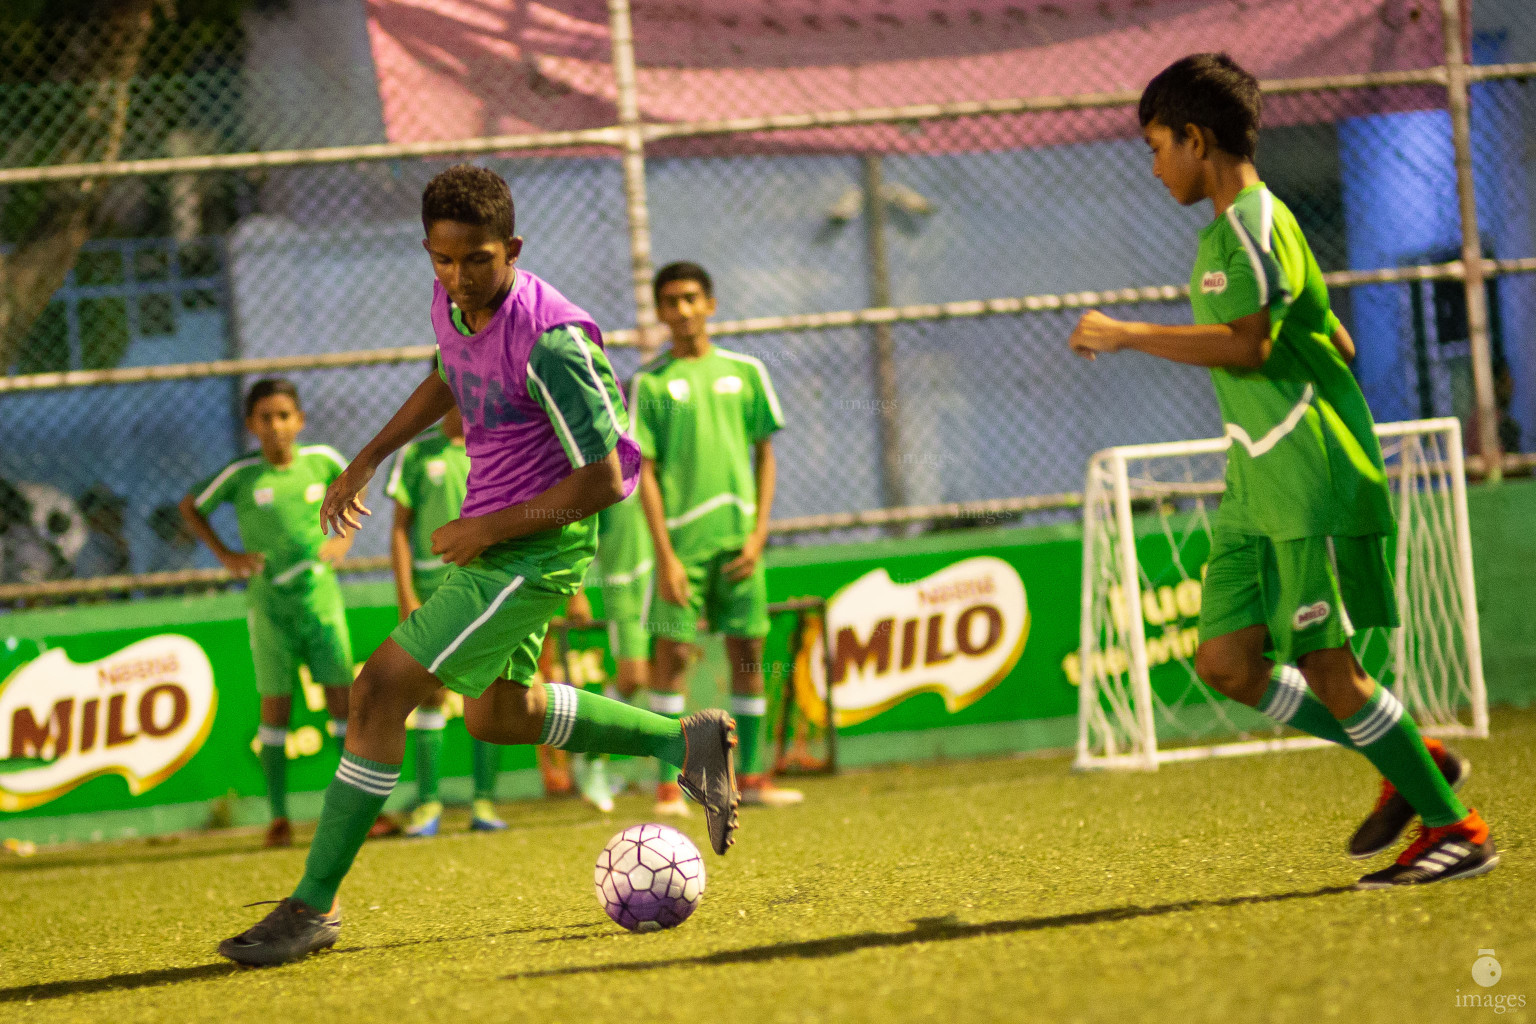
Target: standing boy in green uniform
x: 296, y: 614
x: 621, y: 572
x: 1298, y: 550
x: 428, y: 482
x: 705, y: 419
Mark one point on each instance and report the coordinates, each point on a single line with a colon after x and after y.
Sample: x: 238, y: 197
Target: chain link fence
x: 897, y: 192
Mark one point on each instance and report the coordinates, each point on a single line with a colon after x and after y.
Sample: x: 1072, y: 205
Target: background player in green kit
x: 428, y: 483
x: 621, y: 573
x: 705, y: 419
x: 296, y: 614
x: 1298, y: 549
x: 544, y: 425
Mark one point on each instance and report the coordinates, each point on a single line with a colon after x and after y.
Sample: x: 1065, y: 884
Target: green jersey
x: 1304, y: 459
x: 624, y: 552
x: 698, y: 419
x: 430, y: 477
x: 278, y: 512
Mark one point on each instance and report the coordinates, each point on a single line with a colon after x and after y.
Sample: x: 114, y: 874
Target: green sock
x: 429, y: 753
x: 1289, y: 701
x: 487, y: 758
x: 274, y: 767
x: 749, y: 712
x: 671, y: 706
x: 353, y: 800
x: 1386, y: 734
x: 590, y: 723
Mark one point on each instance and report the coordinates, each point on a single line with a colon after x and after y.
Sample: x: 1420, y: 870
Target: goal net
x: 1148, y: 513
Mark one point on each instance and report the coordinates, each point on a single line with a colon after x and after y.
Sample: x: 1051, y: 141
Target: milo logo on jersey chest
x: 483, y: 402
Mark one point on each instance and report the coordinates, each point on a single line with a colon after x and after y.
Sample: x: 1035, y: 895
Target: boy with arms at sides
x: 428, y: 483
x: 622, y: 573
x: 544, y: 428
x: 295, y: 611
x: 705, y: 418
x: 1298, y: 553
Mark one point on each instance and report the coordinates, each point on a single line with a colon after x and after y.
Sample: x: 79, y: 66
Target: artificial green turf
x: 998, y: 890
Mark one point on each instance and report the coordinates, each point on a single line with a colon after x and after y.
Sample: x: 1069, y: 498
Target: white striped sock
x: 668, y: 703
x: 559, y: 714
x: 432, y: 720
x: 1385, y: 712
x: 742, y: 704
x: 1284, y: 698
x: 272, y: 735
x: 373, y: 781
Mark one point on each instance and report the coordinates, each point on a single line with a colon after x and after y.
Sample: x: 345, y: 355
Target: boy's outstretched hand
x: 1097, y: 333
x: 343, y: 502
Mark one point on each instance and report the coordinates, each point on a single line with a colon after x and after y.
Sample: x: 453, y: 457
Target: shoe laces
x: 1422, y: 841
x: 1428, y: 836
x: 282, y: 920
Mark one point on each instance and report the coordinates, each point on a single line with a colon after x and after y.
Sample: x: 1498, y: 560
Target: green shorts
x: 732, y: 607
x: 484, y: 622
x: 426, y: 581
x: 625, y: 606
x: 310, y: 629
x: 1312, y: 593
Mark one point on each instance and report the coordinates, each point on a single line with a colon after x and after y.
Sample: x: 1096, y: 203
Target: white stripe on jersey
x: 1253, y: 256
x: 762, y: 375
x: 327, y: 451
x: 224, y: 474
x: 572, y: 451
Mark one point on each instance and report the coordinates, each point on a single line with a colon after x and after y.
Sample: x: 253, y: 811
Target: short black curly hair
x: 266, y: 388
x: 469, y: 195
x: 1208, y: 90
x: 682, y: 270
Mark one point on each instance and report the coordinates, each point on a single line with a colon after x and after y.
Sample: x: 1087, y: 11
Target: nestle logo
x: 1311, y: 615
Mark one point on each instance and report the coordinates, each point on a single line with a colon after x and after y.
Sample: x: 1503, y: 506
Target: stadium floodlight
x: 850, y: 203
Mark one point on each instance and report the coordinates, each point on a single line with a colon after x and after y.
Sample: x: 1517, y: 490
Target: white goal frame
x: 1118, y: 711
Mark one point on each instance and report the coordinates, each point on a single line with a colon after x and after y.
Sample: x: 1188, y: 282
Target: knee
x: 510, y: 715
x: 1220, y: 674
x: 374, y: 699
x: 481, y: 728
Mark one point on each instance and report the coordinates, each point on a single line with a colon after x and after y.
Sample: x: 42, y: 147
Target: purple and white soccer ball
x: 649, y: 877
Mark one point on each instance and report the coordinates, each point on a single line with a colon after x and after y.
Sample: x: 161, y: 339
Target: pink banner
x: 462, y: 68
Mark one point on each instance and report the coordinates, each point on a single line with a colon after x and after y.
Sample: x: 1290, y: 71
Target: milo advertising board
x: 959, y: 643
x: 140, y: 714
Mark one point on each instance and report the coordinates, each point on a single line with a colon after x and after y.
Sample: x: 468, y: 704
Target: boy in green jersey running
x: 1298, y: 548
x: 705, y: 419
x: 296, y: 614
x: 428, y: 482
x: 544, y: 425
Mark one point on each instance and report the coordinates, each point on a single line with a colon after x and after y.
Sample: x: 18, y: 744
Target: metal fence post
x: 884, y: 342
x: 1460, y: 104
x: 639, y: 215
